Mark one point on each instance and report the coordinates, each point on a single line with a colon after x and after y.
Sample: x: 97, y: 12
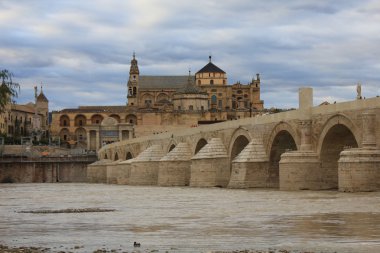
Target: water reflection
x: 188, y: 219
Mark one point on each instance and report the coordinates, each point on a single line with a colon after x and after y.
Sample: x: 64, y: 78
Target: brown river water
x: 188, y: 219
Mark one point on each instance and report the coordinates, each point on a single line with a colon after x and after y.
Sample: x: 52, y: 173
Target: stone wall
x: 43, y: 172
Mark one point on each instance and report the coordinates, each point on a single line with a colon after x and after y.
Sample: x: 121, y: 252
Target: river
x: 188, y: 219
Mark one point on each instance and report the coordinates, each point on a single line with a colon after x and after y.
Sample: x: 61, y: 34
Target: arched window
x: 191, y: 108
x: 199, y: 82
x: 211, y: 82
x: 213, y: 99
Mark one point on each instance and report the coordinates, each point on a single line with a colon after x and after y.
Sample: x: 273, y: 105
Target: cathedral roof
x: 190, y: 88
x: 211, y: 67
x: 162, y: 82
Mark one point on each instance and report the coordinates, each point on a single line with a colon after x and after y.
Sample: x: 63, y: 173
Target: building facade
x: 90, y: 127
x: 158, y: 104
x: 26, y: 120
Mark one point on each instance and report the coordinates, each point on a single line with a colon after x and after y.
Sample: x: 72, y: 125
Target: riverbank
x: 6, y: 249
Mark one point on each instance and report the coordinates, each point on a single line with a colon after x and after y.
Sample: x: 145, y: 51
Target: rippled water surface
x: 188, y: 219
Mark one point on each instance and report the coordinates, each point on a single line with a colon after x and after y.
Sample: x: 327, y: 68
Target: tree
x: 8, y: 89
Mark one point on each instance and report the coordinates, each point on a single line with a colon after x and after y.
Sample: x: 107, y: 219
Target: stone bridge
x: 334, y: 146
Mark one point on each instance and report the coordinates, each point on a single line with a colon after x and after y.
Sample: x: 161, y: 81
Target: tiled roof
x: 211, y: 67
x: 23, y: 108
x: 162, y: 82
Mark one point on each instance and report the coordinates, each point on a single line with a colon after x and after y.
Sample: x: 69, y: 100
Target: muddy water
x: 188, y: 219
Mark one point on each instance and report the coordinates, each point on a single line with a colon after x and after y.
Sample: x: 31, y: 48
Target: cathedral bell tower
x: 133, y: 81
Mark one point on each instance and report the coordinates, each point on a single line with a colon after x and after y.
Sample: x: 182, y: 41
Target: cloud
x: 81, y: 50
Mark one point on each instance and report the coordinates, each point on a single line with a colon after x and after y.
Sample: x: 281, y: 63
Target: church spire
x: 134, y: 70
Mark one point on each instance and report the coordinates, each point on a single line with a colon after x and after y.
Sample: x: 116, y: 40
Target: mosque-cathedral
x: 158, y: 104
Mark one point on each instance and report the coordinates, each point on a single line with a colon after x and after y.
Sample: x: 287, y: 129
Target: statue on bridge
x: 359, y: 91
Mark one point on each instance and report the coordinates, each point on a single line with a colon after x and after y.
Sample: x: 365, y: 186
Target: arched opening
x: 171, y: 147
x: 239, y: 144
x: 147, y: 100
x: 337, y: 138
x: 116, y: 157
x: 201, y: 143
x: 128, y: 156
x: 80, y: 134
x: 64, y: 121
x: 131, y: 119
x: 105, y: 156
x: 213, y: 100
x: 162, y: 97
x: 80, y: 120
x: 282, y: 142
x: 115, y: 116
x: 96, y: 119
x: 64, y: 135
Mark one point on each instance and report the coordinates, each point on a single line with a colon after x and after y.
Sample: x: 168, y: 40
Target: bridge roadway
x: 333, y: 146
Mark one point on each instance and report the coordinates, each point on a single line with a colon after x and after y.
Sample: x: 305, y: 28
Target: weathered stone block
x: 174, y: 173
x: 300, y: 171
x: 112, y: 173
x: 97, y: 171
x: 210, y: 172
x: 359, y: 170
x: 144, y: 173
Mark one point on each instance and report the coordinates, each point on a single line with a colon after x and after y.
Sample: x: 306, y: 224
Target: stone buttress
x: 174, y: 168
x: 97, y: 171
x: 112, y: 172
x: 250, y: 167
x: 210, y: 166
x: 121, y: 172
x: 144, y: 168
x: 359, y: 168
x: 300, y: 170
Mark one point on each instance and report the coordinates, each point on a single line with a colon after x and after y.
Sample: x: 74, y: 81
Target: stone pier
x: 97, y: 171
x: 144, y: 168
x: 300, y: 170
x: 359, y: 168
x: 174, y: 168
x: 121, y: 172
x: 209, y: 166
x: 250, y: 167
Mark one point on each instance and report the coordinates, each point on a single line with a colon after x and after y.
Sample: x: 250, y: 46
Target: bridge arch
x: 338, y: 133
x: 239, y: 140
x: 128, y: 155
x: 283, y: 138
x: 200, y: 144
x: 338, y: 119
x: 283, y: 126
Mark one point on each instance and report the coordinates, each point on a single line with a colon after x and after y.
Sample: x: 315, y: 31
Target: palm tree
x: 8, y: 89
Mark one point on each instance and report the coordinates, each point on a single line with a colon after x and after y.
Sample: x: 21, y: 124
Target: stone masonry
x: 333, y: 146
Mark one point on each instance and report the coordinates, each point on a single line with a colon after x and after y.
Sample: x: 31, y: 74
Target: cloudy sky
x: 81, y: 50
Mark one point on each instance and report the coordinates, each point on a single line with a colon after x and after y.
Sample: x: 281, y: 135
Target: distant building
x: 23, y: 120
x: 158, y: 104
